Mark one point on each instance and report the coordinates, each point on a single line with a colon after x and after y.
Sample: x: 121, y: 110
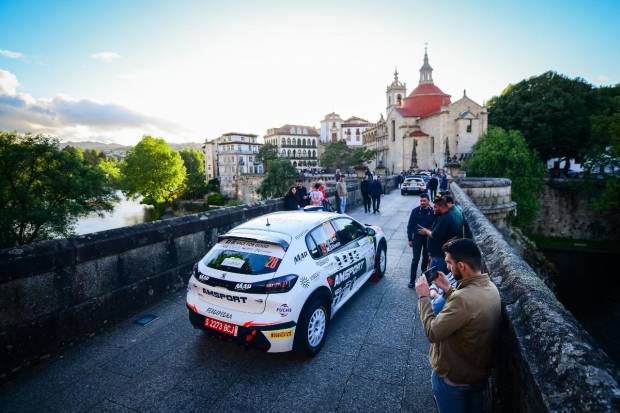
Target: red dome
x: 425, y: 100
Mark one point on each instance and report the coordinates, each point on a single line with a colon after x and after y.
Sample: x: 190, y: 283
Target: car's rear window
x: 244, y: 257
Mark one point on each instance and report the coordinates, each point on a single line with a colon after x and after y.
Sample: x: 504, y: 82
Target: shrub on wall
x: 505, y: 154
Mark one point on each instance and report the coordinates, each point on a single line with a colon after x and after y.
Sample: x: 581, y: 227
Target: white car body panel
x: 348, y: 267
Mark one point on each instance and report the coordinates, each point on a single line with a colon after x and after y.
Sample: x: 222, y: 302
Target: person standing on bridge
x: 447, y: 225
x: 341, y: 191
x: 376, y: 190
x: 463, y: 335
x: 365, y: 197
x: 420, y: 217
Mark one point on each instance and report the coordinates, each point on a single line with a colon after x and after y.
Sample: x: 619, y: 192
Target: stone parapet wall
x: 546, y: 361
x: 55, y: 292
x: 493, y: 196
x: 567, y: 213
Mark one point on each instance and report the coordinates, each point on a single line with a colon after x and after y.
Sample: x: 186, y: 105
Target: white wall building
x: 425, y: 129
x: 333, y: 129
x: 230, y: 156
x: 297, y: 143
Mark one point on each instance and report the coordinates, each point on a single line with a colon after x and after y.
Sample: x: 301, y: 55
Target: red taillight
x: 192, y: 307
x: 330, y: 281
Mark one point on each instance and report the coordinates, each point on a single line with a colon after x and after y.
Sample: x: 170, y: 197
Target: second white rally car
x: 275, y: 281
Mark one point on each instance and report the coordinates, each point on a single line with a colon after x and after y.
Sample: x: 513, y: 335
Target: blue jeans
x: 343, y: 204
x: 456, y: 399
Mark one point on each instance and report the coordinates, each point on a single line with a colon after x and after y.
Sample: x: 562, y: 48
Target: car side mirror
x: 370, y: 231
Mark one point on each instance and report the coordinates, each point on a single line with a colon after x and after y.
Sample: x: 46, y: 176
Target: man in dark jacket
x: 421, y: 217
x: 364, y: 186
x: 444, y: 182
x: 433, y: 183
x: 375, y: 190
x: 448, y: 225
x: 301, y: 194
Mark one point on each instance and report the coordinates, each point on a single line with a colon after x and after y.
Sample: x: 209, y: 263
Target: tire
x: 380, y: 261
x: 403, y: 193
x: 317, y: 313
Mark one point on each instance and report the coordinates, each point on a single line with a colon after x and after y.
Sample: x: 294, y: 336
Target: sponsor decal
x: 301, y: 234
x: 218, y: 313
x: 222, y: 296
x: 300, y: 257
x: 234, y: 262
x: 203, y: 277
x: 342, y: 281
x: 243, y: 286
x: 315, y: 276
x: 281, y: 334
x: 322, y: 261
x: 284, y: 310
x: 304, y: 281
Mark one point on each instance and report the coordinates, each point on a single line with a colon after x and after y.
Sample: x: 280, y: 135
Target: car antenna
x: 268, y: 224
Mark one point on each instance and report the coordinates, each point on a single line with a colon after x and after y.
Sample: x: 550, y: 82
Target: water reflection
x: 126, y: 212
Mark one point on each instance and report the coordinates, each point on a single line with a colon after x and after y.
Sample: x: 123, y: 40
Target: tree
x: 361, y: 156
x: 268, y: 152
x: 552, y: 112
x: 501, y: 153
x: 43, y: 189
x: 213, y: 185
x: 112, y: 171
x: 337, y: 155
x: 154, y: 171
x: 195, y: 182
x: 278, y: 179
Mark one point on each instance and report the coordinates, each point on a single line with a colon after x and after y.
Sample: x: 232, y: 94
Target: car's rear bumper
x: 271, y: 334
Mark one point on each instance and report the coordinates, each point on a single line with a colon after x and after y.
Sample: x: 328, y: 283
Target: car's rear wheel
x: 312, y: 328
x: 403, y: 193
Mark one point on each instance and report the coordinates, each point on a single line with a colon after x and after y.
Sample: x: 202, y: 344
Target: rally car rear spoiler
x: 270, y: 238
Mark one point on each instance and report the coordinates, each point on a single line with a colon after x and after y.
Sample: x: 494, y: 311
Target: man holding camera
x: 421, y: 217
x: 448, y: 225
x: 463, y: 334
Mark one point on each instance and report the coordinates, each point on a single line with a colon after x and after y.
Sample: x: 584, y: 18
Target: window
x: 469, y: 127
x: 233, y: 256
x: 432, y: 144
x: 348, y: 230
x: 393, y: 130
x: 323, y: 240
x: 399, y: 99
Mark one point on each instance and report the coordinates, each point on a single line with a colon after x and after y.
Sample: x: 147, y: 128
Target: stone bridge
x: 70, y: 341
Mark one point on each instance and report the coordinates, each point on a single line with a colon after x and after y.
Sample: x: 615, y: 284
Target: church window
x: 399, y: 99
x: 469, y: 127
x: 389, y: 100
x: 432, y: 144
x: 333, y: 124
x: 393, y: 130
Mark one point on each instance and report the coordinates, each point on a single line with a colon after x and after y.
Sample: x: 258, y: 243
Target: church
x: 426, y: 130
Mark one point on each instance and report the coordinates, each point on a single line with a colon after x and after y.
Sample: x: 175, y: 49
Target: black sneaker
x: 411, y: 285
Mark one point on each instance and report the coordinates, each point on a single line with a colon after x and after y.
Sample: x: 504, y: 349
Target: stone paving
x: 374, y: 358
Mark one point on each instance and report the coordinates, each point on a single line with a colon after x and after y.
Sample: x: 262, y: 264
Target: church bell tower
x: 395, y: 92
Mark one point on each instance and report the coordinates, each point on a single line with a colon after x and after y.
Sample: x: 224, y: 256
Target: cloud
x: 70, y: 118
x: 8, y: 83
x: 602, y: 78
x: 10, y: 54
x: 105, y: 56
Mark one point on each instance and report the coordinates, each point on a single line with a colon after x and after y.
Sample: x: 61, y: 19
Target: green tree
x: 501, y: 153
x: 43, y: 189
x: 337, y: 155
x: 213, y: 185
x: 111, y: 170
x: 195, y: 182
x: 361, y: 156
x: 278, y: 179
x: 154, y: 171
x: 268, y: 152
x: 552, y: 112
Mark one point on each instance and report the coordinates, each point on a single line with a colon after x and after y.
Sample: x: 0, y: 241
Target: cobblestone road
x: 374, y: 358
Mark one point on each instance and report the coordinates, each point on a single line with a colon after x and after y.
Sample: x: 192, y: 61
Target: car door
x: 356, y: 256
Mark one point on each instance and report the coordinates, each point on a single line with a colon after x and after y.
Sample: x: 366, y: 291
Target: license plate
x: 221, y: 326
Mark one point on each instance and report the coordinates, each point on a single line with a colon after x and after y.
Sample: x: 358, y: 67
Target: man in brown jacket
x: 463, y: 334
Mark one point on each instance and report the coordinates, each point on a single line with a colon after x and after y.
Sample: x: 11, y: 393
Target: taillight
x: 275, y: 286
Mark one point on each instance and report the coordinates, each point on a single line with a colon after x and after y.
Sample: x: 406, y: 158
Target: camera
x: 430, y: 274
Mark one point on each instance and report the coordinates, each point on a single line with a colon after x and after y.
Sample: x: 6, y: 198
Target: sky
x: 187, y: 71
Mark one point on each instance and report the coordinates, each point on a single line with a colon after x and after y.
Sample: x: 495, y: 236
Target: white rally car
x: 275, y: 281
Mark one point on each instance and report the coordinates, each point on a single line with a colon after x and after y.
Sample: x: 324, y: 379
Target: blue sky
x: 190, y: 70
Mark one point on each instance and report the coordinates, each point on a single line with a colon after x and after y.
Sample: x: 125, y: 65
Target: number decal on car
x: 272, y: 262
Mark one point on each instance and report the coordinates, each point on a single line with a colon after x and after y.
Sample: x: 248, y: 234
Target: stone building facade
x: 297, y: 143
x: 376, y: 138
x: 426, y: 130
x: 231, y: 156
x: 334, y: 129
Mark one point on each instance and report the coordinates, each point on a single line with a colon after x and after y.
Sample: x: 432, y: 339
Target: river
x: 126, y: 212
